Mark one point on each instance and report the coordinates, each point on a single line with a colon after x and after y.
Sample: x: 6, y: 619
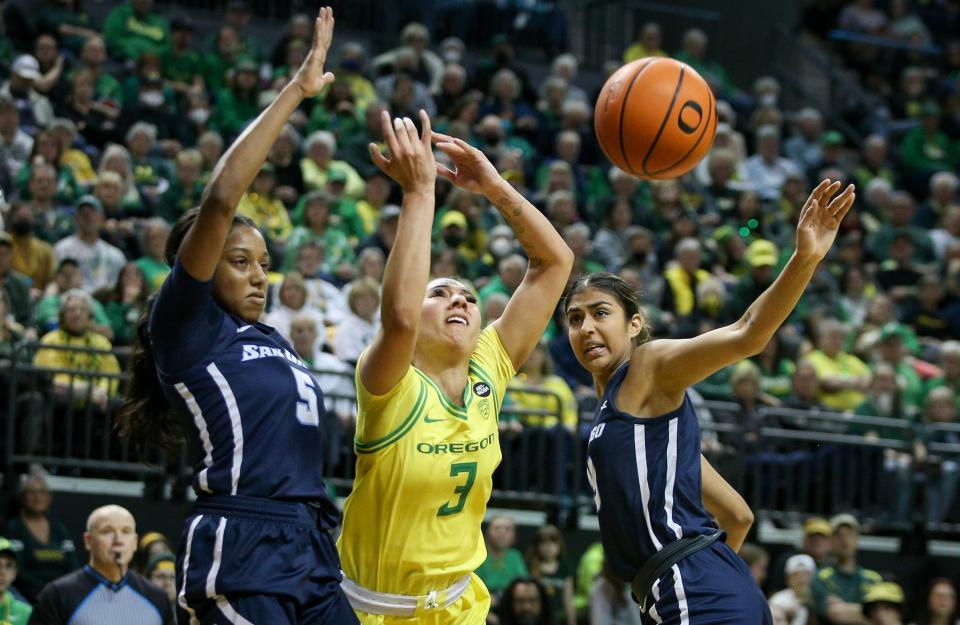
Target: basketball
x: 655, y: 118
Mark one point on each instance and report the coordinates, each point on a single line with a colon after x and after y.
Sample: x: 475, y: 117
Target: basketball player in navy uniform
x: 644, y: 463
x: 257, y: 549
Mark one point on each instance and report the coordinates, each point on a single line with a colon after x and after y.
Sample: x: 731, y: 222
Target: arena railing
x: 63, y: 417
x: 787, y: 463
x: 542, y: 461
x: 807, y: 462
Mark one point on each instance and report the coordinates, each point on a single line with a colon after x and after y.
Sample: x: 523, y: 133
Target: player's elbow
x: 743, y: 518
x: 217, y: 200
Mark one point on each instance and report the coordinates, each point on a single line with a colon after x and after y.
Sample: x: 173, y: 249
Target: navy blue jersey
x: 255, y: 407
x: 645, y: 474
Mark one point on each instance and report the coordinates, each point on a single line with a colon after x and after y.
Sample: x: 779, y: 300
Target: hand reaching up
x: 820, y: 219
x: 411, y: 161
x: 310, y: 77
x: 474, y: 171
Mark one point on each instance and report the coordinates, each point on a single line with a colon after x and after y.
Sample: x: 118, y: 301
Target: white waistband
x: 373, y: 602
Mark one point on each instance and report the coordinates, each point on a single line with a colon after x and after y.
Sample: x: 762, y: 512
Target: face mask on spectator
x: 151, y: 99
x: 199, y: 116
x: 492, y: 138
x: 21, y: 227
x: 452, y: 239
x: 351, y: 65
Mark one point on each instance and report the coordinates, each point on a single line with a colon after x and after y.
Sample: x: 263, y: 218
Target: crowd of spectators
x: 109, y: 130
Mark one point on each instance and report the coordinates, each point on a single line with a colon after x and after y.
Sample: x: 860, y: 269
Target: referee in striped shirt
x: 105, y: 591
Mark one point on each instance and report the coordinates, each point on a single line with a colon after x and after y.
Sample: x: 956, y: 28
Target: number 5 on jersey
x: 307, y: 413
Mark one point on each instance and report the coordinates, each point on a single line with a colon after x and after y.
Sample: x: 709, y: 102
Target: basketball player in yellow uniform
x: 430, y: 388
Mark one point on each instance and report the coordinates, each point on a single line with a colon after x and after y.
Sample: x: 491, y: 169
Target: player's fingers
x: 840, y: 199
x: 439, y: 136
x: 377, y: 157
x: 452, y: 150
x: 829, y: 192
x: 388, y: 134
x: 400, y: 132
x: 445, y: 171
x: 818, y: 190
x: 426, y: 132
x: 845, y: 206
x: 411, y: 129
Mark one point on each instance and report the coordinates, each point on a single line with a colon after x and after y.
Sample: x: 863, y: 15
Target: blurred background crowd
x: 113, y: 114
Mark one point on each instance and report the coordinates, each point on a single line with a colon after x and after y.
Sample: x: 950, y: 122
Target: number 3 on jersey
x: 470, y: 468
x: 307, y: 413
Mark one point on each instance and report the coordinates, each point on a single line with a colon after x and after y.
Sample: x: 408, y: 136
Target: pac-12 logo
x: 481, y: 389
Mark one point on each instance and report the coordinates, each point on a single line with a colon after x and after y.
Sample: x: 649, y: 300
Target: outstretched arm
x: 412, y: 165
x: 723, y: 502
x: 201, y: 249
x: 549, y: 259
x: 678, y: 364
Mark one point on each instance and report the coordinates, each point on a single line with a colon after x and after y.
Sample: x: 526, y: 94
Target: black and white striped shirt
x: 85, y: 597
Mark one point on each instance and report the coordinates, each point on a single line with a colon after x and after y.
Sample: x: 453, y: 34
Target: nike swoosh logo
x: 242, y: 328
x: 429, y: 420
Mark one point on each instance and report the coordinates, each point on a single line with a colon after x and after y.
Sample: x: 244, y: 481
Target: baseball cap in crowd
x: 337, y: 176
x: 817, y: 525
x: 90, y: 200
x: 453, y: 218
x: 884, y: 592
x: 151, y: 537
x: 831, y: 137
x: 164, y: 561
x: 25, y: 66
x: 799, y: 562
x: 844, y: 520
x: 6, y: 549
x: 390, y: 211
x: 246, y: 64
x: 893, y: 329
x: 762, y: 253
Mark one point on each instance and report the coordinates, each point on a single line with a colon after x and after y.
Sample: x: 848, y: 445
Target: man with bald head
x: 105, y: 591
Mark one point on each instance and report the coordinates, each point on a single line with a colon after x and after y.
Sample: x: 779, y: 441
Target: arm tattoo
x: 513, y: 220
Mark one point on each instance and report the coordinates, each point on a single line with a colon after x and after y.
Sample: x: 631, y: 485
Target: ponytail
x: 146, y: 418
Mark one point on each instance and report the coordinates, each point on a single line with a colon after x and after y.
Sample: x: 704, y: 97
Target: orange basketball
x: 655, y: 118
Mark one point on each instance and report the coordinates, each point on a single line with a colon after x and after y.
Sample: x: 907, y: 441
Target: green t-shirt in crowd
x: 154, y: 271
x: 129, y: 36
x: 181, y: 66
x: 848, y: 587
x: 13, y: 612
x: 40, y: 563
x: 498, y: 573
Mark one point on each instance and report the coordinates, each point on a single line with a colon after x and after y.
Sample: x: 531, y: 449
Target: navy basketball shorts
x: 255, y: 561
x: 714, y: 587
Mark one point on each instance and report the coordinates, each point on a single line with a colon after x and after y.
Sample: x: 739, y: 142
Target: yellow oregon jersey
x: 424, y: 475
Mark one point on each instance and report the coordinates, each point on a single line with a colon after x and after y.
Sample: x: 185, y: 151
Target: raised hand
x: 310, y: 77
x: 411, y: 161
x: 474, y: 171
x: 820, y: 218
